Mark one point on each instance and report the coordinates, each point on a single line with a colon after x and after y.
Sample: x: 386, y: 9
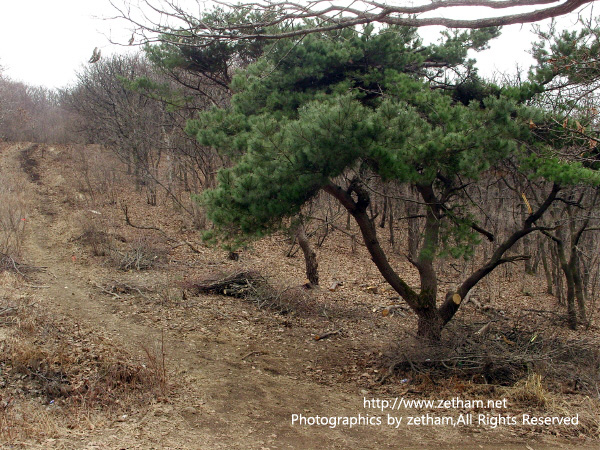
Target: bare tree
x: 568, y: 251
x: 30, y: 113
x: 121, y: 118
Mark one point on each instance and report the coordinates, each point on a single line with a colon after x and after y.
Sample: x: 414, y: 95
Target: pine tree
x: 369, y: 103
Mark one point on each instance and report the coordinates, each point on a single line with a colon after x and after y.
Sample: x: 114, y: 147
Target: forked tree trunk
x: 310, y: 257
x: 567, y: 269
x: 431, y: 319
x: 430, y: 324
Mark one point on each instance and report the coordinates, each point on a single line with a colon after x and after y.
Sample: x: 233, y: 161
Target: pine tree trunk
x: 412, y: 210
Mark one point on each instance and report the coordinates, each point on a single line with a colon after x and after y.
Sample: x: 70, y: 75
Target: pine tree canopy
x: 372, y: 102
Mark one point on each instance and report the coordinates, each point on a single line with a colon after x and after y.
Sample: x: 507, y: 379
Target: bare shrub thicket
x: 32, y: 114
x: 139, y: 112
x: 99, y: 174
x: 124, y: 104
x: 117, y: 116
x: 13, y: 215
x: 139, y: 254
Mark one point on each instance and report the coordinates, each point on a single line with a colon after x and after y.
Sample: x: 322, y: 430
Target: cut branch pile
x: 502, y: 356
x: 247, y: 285
x: 237, y: 284
x: 138, y: 255
x: 134, y: 259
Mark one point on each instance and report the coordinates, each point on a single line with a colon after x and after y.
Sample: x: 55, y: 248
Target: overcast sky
x: 44, y: 42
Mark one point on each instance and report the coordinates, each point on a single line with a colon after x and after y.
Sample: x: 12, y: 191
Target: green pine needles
x: 330, y: 111
x: 309, y: 110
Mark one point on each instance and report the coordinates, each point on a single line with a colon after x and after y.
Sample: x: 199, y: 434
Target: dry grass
x: 530, y: 391
x: 157, y: 366
x: 54, y: 374
x: 532, y: 395
x: 13, y: 215
x: 21, y: 420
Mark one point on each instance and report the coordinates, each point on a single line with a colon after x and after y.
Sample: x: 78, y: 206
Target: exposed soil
x: 237, y: 372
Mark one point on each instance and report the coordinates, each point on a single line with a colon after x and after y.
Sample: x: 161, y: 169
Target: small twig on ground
x: 106, y: 291
x: 543, y: 311
x: 484, y: 329
x: 138, y: 290
x: 247, y: 355
x: 392, y: 309
x: 164, y: 233
x: 8, y: 311
x: 327, y: 334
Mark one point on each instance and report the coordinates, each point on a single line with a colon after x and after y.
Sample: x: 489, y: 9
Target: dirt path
x: 232, y: 388
x: 227, y: 404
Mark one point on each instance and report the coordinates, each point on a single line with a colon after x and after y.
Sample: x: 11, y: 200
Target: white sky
x: 44, y: 42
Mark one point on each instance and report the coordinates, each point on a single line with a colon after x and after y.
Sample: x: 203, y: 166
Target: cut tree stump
x: 333, y: 286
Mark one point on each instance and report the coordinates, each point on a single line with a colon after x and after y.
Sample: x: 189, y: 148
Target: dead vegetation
x: 13, y: 225
x: 139, y: 253
x: 57, y: 373
x: 503, y: 357
x: 13, y: 216
x: 535, y: 371
x: 74, y: 372
x: 98, y: 241
x: 251, y: 286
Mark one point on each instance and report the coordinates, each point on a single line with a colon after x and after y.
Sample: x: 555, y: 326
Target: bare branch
x: 286, y: 19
